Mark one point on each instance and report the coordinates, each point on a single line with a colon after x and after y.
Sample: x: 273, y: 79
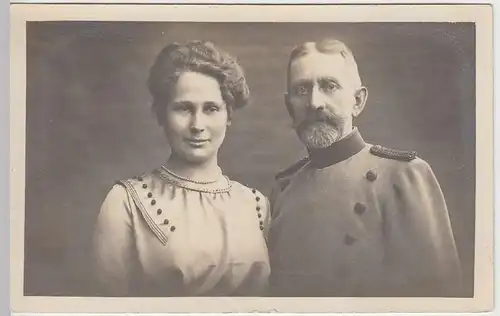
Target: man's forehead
x: 315, y: 64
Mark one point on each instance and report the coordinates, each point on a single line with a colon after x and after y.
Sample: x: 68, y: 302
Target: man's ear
x: 360, y: 96
x: 288, y: 105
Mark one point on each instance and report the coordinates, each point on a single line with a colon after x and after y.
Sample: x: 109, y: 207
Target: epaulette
x: 390, y: 153
x: 293, y: 168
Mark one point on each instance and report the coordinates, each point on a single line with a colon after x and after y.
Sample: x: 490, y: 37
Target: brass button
x: 359, y: 208
x: 371, y: 175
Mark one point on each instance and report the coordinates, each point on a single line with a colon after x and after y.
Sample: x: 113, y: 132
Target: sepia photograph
x: 251, y: 154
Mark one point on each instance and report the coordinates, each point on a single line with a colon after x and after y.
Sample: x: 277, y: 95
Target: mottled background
x: 89, y: 121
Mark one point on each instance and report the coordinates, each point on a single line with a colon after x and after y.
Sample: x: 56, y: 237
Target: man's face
x: 321, y: 98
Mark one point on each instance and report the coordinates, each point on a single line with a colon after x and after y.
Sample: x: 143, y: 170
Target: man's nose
x: 317, y: 102
x: 197, y: 122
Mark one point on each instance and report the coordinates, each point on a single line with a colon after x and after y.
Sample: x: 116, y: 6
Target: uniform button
x: 261, y: 223
x: 349, y: 240
x: 159, y: 211
x: 371, y: 175
x: 257, y: 198
x: 166, y: 222
x: 172, y: 228
x: 359, y: 208
x: 144, y: 186
x: 258, y: 208
x: 153, y: 202
x: 150, y: 194
x: 259, y: 216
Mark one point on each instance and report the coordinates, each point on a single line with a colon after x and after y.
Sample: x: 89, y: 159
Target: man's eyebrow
x: 329, y: 78
x: 301, y: 82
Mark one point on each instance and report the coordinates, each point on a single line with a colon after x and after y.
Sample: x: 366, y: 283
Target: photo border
x: 480, y: 14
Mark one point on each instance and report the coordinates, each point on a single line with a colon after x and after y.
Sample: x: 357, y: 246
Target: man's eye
x: 330, y: 86
x: 301, y: 90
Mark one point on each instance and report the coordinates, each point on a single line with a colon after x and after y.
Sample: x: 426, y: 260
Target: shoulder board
x: 292, y: 169
x: 395, y: 154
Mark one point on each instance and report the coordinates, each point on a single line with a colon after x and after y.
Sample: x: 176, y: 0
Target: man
x: 353, y: 219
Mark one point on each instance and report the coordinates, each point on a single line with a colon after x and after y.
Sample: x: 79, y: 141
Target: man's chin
x: 315, y: 137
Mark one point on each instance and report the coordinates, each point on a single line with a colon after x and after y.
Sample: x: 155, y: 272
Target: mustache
x: 314, y: 116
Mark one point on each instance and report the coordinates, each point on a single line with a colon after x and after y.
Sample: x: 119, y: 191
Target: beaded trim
x: 188, y: 179
x: 189, y: 185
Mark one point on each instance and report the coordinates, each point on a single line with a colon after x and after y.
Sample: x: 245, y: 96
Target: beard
x: 320, y: 130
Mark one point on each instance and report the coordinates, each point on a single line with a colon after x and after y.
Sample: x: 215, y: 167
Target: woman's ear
x: 360, y: 97
x: 159, y: 113
x: 288, y: 105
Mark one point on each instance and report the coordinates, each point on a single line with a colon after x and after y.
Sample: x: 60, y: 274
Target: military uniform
x: 355, y: 219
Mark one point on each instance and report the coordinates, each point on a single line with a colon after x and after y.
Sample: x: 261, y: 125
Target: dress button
x: 257, y: 198
x: 172, y: 228
x: 159, y: 211
x: 371, y: 175
x: 150, y: 194
x: 259, y: 216
x: 166, y: 222
x: 261, y: 227
x: 144, y: 186
x: 258, y: 208
x: 153, y: 202
x: 359, y: 208
x: 349, y: 240
x: 253, y: 190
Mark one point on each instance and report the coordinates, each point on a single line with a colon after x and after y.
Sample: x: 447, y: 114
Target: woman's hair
x: 202, y: 57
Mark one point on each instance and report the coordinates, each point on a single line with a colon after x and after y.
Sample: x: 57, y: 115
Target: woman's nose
x: 197, y: 123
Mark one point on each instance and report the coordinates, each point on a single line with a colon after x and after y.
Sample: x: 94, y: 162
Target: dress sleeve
x: 420, y: 244
x: 113, y: 244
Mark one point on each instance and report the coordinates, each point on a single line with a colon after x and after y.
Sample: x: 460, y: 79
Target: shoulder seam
x: 293, y: 168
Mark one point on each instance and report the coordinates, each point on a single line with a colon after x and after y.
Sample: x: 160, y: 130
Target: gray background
x: 89, y: 121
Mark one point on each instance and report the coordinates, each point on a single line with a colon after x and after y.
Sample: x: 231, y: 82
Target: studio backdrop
x: 89, y: 120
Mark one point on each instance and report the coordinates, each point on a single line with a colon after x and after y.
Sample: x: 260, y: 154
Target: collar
x: 338, y: 151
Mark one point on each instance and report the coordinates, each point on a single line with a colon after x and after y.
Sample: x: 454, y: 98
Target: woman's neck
x: 205, y: 171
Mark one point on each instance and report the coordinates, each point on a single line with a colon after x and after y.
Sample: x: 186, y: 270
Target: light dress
x: 162, y: 235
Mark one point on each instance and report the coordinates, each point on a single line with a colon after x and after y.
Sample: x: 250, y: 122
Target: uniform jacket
x: 361, y: 220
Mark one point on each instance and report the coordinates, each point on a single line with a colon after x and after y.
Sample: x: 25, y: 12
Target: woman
x: 184, y: 228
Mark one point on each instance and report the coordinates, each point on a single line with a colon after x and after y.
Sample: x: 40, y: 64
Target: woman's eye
x: 212, y: 109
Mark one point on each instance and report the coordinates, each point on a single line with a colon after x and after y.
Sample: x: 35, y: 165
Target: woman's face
x: 196, y: 118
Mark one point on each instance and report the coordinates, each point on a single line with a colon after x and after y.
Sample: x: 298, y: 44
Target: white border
x: 482, y: 15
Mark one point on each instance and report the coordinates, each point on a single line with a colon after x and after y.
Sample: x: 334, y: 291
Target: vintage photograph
x: 258, y: 159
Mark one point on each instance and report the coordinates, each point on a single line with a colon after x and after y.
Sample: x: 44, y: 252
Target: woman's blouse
x: 163, y: 235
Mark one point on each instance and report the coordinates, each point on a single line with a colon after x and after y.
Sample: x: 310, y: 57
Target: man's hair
x: 329, y: 46
x: 197, y: 56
